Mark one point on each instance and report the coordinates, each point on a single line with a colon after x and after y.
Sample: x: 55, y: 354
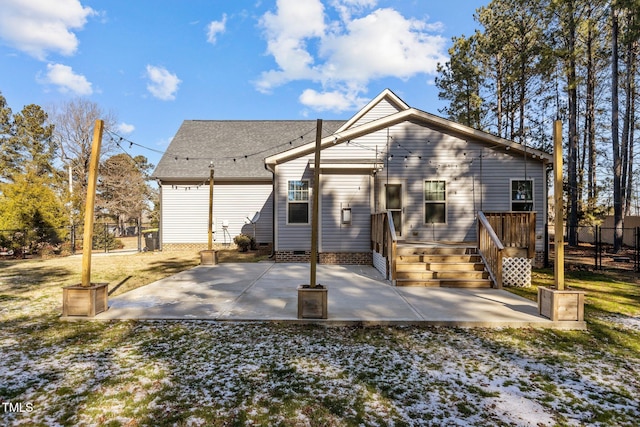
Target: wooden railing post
x: 531, y: 244
x: 499, y: 269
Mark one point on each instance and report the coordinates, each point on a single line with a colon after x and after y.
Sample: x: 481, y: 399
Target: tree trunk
x: 590, y: 121
x: 629, y: 121
x: 615, y: 137
x: 499, y: 95
x: 572, y: 163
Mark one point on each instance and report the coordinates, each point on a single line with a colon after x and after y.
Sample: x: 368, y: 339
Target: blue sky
x: 156, y: 63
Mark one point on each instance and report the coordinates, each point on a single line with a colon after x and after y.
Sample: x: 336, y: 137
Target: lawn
x: 206, y: 373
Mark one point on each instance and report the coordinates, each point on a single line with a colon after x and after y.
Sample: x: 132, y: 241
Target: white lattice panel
x: 516, y: 272
x: 380, y: 263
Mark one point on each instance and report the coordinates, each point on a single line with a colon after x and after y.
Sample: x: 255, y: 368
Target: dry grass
x: 123, y: 272
x: 208, y: 373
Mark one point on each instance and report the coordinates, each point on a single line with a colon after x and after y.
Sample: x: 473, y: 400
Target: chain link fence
x: 65, y: 241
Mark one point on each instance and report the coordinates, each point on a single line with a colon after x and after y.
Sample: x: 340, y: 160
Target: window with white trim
x: 298, y: 202
x: 435, y: 202
x: 521, y: 195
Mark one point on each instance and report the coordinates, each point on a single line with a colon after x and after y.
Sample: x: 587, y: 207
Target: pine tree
x: 29, y: 196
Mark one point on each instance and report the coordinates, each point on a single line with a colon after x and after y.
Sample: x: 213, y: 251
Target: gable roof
x: 227, y: 142
x: 349, y: 132
x: 387, y: 96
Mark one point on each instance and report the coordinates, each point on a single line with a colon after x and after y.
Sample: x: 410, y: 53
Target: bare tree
x: 74, y: 121
x: 123, y: 193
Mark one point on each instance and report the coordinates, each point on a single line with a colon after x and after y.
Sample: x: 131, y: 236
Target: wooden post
x: 316, y: 198
x: 210, y: 225
x: 558, y: 199
x: 87, y: 242
x: 532, y: 235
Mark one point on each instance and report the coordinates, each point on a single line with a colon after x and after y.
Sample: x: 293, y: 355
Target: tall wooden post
x: 315, y: 212
x: 210, y: 225
x: 87, y: 242
x: 559, y: 204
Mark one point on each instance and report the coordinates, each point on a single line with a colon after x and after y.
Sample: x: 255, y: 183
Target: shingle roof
x: 199, y: 142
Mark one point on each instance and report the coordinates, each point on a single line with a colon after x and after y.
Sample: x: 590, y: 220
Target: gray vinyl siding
x: 337, y: 191
x: 293, y: 237
x: 345, y: 191
x: 477, y: 176
x: 499, y: 168
x: 185, y: 211
x: 383, y: 109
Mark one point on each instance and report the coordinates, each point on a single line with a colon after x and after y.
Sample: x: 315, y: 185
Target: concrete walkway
x: 357, y: 295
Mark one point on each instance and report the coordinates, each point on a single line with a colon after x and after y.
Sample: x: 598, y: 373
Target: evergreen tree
x: 29, y: 196
x: 460, y: 84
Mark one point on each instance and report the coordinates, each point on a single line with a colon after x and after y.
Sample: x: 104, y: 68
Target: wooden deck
x: 455, y: 264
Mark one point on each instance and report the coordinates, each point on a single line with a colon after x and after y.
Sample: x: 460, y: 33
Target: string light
x: 117, y: 139
x: 381, y: 155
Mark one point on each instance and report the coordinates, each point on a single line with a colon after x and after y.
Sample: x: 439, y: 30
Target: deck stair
x: 458, y: 266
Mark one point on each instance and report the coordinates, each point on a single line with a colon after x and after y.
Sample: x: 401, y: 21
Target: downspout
x: 274, y: 214
x: 160, y: 214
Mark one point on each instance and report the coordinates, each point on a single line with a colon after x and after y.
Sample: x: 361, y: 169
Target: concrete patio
x: 357, y: 295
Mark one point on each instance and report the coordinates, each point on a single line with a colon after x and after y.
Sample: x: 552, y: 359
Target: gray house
x: 242, y: 185
x: 391, y: 176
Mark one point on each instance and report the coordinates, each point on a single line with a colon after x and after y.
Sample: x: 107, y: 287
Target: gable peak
x: 390, y: 100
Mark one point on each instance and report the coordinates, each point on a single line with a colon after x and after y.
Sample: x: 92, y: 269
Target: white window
x: 435, y: 202
x: 298, y: 202
x: 521, y: 195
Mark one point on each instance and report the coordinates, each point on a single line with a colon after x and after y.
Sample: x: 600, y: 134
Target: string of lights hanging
x: 119, y: 140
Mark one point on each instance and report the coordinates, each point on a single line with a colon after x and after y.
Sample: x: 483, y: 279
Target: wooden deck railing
x: 516, y: 231
x: 491, y: 249
x: 505, y: 234
x: 384, y: 240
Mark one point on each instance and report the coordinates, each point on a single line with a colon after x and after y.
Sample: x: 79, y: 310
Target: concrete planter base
x: 566, y: 305
x: 87, y: 301
x: 312, y: 302
x: 208, y: 257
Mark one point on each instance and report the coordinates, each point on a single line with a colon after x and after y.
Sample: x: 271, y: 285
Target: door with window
x: 393, y: 196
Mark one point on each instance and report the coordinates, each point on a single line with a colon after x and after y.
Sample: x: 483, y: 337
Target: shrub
x: 103, y: 239
x: 66, y: 249
x: 244, y: 242
x: 47, y: 251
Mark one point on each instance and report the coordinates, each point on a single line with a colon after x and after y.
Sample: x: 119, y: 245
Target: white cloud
x: 67, y: 80
x: 331, y: 101
x: 162, y: 84
x: 382, y: 44
x: 125, y: 128
x: 344, y: 54
x: 41, y: 26
x: 287, y: 33
x: 348, y: 7
x: 216, y: 27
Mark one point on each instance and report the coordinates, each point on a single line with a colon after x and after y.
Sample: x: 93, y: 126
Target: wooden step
x: 416, y: 275
x: 439, y: 266
x: 446, y: 283
x: 439, y: 258
x: 444, y: 250
x: 453, y: 266
x: 410, y: 266
x: 421, y: 275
